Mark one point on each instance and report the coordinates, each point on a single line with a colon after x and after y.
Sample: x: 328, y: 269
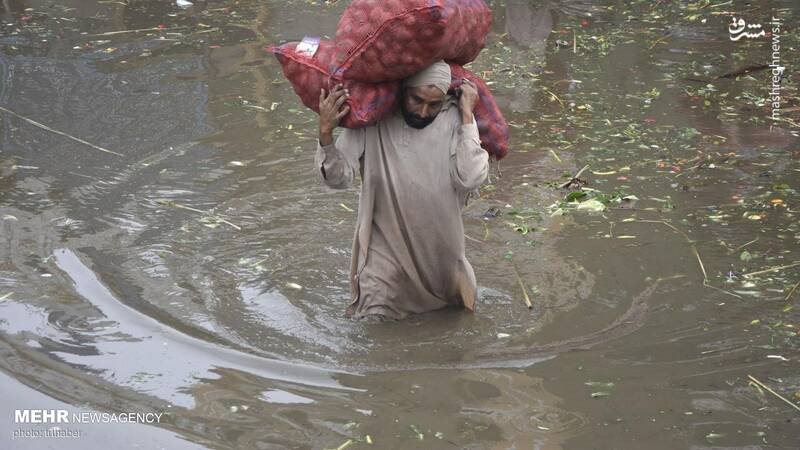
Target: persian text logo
x: 739, y: 29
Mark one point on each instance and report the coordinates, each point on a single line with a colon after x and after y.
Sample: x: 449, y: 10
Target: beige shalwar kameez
x: 408, y: 248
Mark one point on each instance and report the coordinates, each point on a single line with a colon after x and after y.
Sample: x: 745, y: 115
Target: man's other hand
x: 468, y: 97
x: 331, y: 112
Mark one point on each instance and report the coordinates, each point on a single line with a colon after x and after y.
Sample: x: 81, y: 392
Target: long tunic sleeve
x: 336, y: 164
x: 469, y: 163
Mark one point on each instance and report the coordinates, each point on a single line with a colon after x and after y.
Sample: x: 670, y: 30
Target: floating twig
x: 772, y: 269
x: 524, y: 291
x: 669, y: 225
x: 702, y: 267
x: 661, y: 39
x: 206, y: 213
x: 696, y: 254
x: 46, y: 128
x: 346, y: 444
x: 574, y: 42
x: 718, y: 4
x: 706, y: 284
x: 554, y: 96
x: 733, y: 13
x: 791, y: 292
x: 746, y: 244
x: 140, y: 30
x: 743, y: 71
x: 574, y: 177
x: 472, y: 238
x: 731, y: 74
x: 260, y: 108
x: 768, y: 389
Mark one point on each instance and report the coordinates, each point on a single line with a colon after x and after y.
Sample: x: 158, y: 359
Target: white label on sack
x: 308, y: 46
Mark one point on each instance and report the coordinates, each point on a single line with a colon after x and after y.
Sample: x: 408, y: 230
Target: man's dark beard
x: 414, y: 120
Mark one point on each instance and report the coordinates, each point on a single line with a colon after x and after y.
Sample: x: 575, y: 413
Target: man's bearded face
x: 421, y: 105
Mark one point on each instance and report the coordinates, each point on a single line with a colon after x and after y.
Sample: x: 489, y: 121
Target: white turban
x: 437, y: 74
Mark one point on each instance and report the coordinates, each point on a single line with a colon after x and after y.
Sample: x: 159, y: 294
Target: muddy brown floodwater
x: 188, y: 263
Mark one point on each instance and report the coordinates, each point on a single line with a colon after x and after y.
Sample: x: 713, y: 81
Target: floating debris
x: 755, y: 381
x: 60, y: 133
x: 417, y: 432
x: 209, y: 220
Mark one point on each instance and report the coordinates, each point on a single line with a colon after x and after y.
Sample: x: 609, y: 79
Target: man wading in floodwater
x: 418, y: 166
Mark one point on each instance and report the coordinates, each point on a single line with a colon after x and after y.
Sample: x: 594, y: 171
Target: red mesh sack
x: 492, y: 126
x: 369, y: 102
x: 379, y: 40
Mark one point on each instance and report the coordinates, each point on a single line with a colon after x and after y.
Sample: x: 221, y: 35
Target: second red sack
x: 492, y: 126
